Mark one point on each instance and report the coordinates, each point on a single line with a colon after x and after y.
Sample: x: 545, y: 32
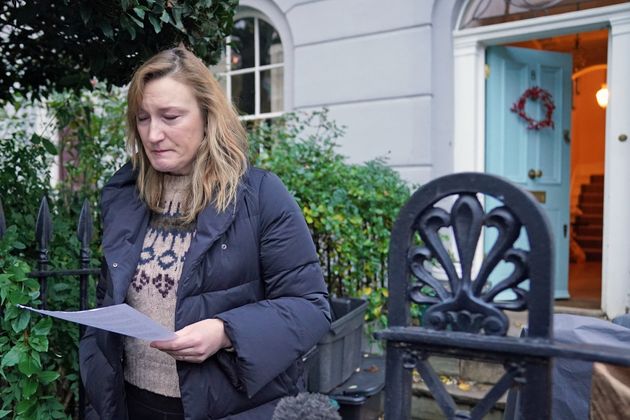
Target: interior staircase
x: 588, y: 227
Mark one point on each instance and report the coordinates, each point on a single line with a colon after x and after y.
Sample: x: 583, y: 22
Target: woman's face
x: 170, y: 125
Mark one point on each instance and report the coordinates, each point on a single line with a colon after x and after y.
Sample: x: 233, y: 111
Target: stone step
x: 468, y: 381
x: 559, y: 308
x: 424, y: 407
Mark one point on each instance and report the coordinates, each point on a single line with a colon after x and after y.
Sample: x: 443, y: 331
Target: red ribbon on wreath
x: 535, y: 93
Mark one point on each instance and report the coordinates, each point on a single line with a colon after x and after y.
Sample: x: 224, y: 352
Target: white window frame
x: 257, y: 69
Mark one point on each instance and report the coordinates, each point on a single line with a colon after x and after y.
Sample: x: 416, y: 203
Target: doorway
x: 468, y: 145
x: 589, y: 51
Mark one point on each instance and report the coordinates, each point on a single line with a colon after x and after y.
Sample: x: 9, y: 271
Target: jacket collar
x: 126, y: 218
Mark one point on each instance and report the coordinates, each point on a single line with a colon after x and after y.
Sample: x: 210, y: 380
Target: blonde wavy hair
x: 221, y: 159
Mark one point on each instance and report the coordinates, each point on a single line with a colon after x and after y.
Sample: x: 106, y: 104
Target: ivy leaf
x: 20, y: 323
x: 28, y: 364
x: 29, y: 387
x: 136, y: 21
x: 11, y: 358
x: 107, y: 29
x: 48, y: 376
x: 25, y: 405
x: 140, y: 12
x: 49, y: 146
x: 165, y: 17
x: 59, y: 414
x: 4, y: 413
x: 156, y: 24
x: 42, y: 327
x: 177, y: 14
x: 39, y: 343
x: 132, y: 32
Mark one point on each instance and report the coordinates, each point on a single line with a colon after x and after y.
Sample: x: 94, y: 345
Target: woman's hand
x: 196, y: 342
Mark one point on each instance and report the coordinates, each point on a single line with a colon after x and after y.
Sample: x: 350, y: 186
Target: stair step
x: 593, y: 188
x: 560, y: 308
x: 592, y: 208
x: 593, y: 254
x: 597, y: 179
x: 591, y: 198
x: 589, y: 220
x: 589, y: 242
x: 588, y: 230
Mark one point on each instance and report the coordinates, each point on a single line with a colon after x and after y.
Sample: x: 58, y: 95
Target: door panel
x: 512, y: 150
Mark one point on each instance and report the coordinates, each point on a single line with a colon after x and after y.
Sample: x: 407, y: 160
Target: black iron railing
x: 465, y: 316
x: 43, y: 272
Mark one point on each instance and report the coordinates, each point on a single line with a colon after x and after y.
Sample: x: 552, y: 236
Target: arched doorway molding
x: 469, y: 116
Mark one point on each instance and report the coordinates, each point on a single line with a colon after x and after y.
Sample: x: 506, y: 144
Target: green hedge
x: 350, y: 208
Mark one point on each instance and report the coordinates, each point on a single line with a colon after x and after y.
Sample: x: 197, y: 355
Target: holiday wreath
x: 535, y: 93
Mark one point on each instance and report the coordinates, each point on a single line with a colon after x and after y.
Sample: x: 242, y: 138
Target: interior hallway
x: 585, y: 286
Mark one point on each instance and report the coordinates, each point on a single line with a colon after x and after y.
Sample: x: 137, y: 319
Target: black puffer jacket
x: 254, y: 267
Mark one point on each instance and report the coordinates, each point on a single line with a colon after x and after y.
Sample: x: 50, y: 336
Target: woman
x: 207, y: 246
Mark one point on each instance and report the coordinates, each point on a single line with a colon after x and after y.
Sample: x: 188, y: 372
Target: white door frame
x: 469, y: 116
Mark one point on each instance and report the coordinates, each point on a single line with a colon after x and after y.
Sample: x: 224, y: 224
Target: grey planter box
x: 338, y: 353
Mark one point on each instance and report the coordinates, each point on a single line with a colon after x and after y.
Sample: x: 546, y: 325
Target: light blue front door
x: 538, y: 160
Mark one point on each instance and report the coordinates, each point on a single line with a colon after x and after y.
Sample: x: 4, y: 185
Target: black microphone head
x: 306, y: 406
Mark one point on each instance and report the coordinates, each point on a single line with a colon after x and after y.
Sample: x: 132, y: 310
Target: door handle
x: 534, y: 173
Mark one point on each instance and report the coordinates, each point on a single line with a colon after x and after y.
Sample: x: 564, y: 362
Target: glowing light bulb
x: 602, y: 96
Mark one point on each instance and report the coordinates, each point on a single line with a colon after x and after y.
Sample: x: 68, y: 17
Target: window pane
x: 219, y: 72
x: 242, y: 44
x: 271, y: 90
x: 270, y: 44
x: 243, y: 93
x: 222, y: 79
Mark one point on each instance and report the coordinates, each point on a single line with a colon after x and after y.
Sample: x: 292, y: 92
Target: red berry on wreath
x: 535, y: 93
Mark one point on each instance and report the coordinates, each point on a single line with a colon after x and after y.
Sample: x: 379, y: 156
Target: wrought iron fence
x: 465, y: 317
x: 43, y: 272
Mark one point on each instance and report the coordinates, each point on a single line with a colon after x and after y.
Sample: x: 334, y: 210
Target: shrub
x: 28, y: 370
x: 92, y: 148
x: 349, y: 208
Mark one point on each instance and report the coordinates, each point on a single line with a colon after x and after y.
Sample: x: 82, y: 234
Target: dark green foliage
x: 25, y: 161
x: 28, y: 369
x: 92, y: 146
x: 350, y: 209
x: 51, y: 45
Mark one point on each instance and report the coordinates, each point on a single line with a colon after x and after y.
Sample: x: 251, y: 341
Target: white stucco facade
x: 367, y: 62
x: 409, y: 85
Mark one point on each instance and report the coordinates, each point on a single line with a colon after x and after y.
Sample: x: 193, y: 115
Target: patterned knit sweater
x: 153, y: 288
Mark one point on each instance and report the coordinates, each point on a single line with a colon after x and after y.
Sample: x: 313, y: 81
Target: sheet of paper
x: 121, y: 319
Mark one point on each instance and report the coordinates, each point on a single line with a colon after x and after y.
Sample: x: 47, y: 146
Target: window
x: 252, y: 72
x: 489, y: 12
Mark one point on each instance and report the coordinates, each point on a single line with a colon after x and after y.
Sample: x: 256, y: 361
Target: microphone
x: 306, y: 406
